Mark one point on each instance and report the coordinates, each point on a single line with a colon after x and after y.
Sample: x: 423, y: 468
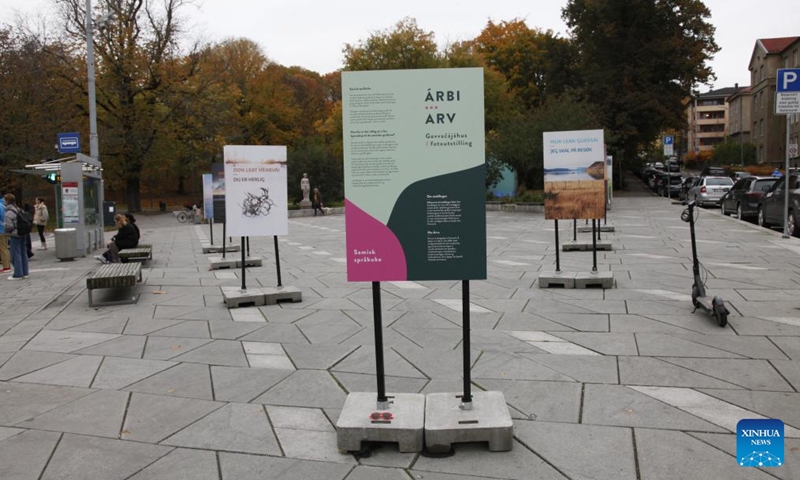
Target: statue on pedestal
x: 305, y: 186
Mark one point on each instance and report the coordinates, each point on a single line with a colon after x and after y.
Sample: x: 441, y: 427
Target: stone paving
x: 625, y: 383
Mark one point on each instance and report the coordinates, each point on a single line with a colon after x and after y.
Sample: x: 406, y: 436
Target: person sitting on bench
x: 126, y: 237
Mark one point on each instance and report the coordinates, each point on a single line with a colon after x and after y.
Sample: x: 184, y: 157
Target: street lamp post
x: 94, y: 145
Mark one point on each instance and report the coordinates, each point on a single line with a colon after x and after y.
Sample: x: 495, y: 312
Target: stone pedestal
x: 355, y: 424
x: 487, y: 421
x: 557, y: 279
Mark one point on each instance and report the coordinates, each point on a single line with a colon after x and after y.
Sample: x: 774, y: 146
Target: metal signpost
x: 787, y: 102
x: 669, y: 142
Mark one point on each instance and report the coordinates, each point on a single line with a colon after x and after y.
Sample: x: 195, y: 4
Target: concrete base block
x: 488, y: 421
x: 557, y: 279
x: 588, y: 228
x: 234, y: 297
x: 250, y: 262
x: 594, y: 279
x: 219, y: 263
x: 585, y: 246
x: 279, y: 294
x: 406, y: 426
x: 208, y: 248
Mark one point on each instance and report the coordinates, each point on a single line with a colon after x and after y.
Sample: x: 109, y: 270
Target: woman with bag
x: 40, y: 218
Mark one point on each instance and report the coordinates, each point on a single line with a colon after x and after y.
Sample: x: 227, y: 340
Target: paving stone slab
x: 235, y: 384
x: 24, y: 362
x: 606, y: 452
x: 21, y: 401
x: 232, y: 330
x: 790, y: 370
x: 364, y: 472
x: 99, y: 414
x: 116, y: 373
x: 92, y: 458
x: 114, y: 325
x: 663, y: 372
x: 237, y: 466
x: 782, y: 405
x: 657, y: 345
x: 66, y: 342
x: 658, y: 449
x: 182, y: 464
x: 236, y: 427
x: 183, y: 380
x: 219, y: 352
x: 305, y: 388
x: 75, y: 372
x: 166, y: 348
x: 727, y: 443
x: 24, y: 456
x: 750, y: 374
x: 129, y: 346
x: 496, y: 365
x: 359, y: 382
x: 187, y: 329
x: 6, y: 432
x: 583, y: 368
x: 152, y: 418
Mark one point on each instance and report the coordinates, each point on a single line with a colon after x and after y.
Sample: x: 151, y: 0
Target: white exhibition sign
x: 256, y: 195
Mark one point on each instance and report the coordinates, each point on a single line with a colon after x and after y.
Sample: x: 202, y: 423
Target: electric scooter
x: 700, y: 299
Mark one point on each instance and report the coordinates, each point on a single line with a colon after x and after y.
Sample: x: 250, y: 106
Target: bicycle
x: 184, y: 215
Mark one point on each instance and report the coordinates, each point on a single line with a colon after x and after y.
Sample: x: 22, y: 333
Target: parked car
x: 740, y: 175
x: 687, y: 185
x: 771, y: 205
x: 709, y: 190
x: 743, y: 197
x: 675, y: 181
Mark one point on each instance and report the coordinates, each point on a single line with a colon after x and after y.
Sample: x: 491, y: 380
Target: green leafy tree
x: 518, y: 139
x: 731, y: 152
x: 639, y: 59
x: 405, y: 47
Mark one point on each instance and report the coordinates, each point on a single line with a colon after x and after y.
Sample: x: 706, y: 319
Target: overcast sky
x: 312, y: 33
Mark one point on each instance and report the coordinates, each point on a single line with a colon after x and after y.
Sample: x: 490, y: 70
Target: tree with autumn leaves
x: 165, y: 112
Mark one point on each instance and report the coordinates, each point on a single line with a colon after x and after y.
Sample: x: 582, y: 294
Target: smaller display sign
x: 208, y: 197
x: 70, y: 202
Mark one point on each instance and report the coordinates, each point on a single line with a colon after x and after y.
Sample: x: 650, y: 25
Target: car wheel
x: 792, y: 225
x: 739, y: 212
x: 762, y: 222
x: 724, y: 210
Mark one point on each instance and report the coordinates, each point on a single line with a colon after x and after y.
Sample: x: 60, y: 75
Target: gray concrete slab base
x: 219, y: 263
x: 235, y: 297
x: 250, y: 262
x: 594, y: 279
x: 355, y: 424
x: 488, y: 421
x: 559, y: 279
x: 273, y: 295
x: 208, y: 248
x: 581, y: 245
x: 588, y: 228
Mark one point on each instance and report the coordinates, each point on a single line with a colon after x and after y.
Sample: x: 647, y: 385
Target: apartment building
x: 768, y: 131
x: 739, y: 109
x: 708, y: 119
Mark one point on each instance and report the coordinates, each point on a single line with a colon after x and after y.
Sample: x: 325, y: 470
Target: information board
x: 414, y: 158
x: 208, y: 197
x: 574, y: 173
x: 256, y: 196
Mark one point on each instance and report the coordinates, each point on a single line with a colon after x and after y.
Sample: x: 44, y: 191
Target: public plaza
x: 621, y: 383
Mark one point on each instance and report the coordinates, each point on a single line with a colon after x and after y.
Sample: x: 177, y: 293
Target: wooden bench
x: 114, y: 275
x: 141, y: 253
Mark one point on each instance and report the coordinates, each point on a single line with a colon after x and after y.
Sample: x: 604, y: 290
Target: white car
x: 710, y: 190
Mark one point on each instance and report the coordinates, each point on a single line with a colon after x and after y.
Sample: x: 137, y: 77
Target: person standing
x: 316, y: 202
x: 28, y: 246
x: 40, y: 218
x: 19, y: 253
x: 5, y: 256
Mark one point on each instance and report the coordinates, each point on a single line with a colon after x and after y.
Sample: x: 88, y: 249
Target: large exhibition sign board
x: 208, y: 197
x: 256, y: 197
x: 414, y: 158
x: 574, y: 174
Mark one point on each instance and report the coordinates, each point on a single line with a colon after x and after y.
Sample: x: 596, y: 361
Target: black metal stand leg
x: 244, y: 269
x: 383, y: 402
x: 211, y: 229
x: 466, y: 399
x: 574, y: 229
x: 594, y: 247
x: 247, y: 239
x: 277, y: 260
x: 224, y: 228
x: 558, y: 256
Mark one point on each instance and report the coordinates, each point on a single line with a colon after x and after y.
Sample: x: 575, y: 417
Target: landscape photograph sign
x: 414, y: 160
x: 574, y: 174
x: 218, y: 191
x: 208, y: 197
x: 256, y: 196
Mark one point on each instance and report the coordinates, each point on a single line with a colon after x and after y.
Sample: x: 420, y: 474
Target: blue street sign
x: 788, y: 80
x: 668, y: 140
x: 69, y: 142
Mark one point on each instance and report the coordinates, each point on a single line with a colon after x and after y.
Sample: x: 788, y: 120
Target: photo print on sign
x: 257, y: 205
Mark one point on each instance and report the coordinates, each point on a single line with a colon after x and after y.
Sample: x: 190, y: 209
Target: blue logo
x: 759, y: 443
x: 69, y: 142
x: 668, y: 140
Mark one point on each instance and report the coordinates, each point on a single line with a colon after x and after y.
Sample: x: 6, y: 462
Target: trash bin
x: 66, y: 243
x: 162, y: 206
x: 109, y: 210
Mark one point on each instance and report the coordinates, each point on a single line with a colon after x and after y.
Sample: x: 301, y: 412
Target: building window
x: 761, y: 127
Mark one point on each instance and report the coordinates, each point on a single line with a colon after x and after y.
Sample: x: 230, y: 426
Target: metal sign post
x: 787, y: 102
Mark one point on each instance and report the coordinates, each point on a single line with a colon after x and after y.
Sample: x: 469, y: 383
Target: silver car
x: 709, y: 190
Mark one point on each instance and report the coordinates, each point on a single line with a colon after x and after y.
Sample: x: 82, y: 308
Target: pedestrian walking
x: 316, y: 202
x: 5, y: 256
x: 40, y: 218
x: 14, y: 228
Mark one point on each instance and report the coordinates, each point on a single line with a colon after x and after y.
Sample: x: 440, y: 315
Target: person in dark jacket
x: 132, y: 221
x: 29, y: 210
x: 126, y: 237
x: 19, y: 259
